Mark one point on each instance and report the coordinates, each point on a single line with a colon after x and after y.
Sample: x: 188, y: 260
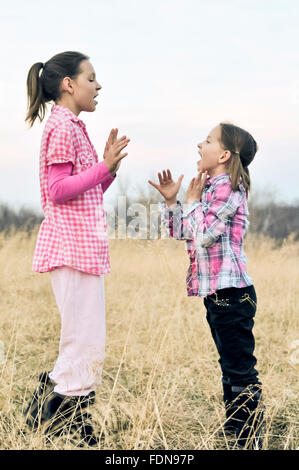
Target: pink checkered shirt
x: 214, y: 229
x: 73, y: 233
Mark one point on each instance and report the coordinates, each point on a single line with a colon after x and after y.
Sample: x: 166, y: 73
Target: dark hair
x: 45, y: 86
x: 243, y: 148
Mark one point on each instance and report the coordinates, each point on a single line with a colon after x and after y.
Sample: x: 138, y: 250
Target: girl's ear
x: 66, y: 85
x: 225, y: 156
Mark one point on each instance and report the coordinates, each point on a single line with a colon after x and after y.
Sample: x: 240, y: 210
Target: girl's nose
x: 99, y: 86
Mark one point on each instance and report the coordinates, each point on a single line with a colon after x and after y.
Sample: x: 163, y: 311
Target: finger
x: 119, y: 148
x: 192, y: 183
x: 160, y: 178
x: 205, y: 176
x: 118, y: 143
x: 203, y: 180
x: 199, y: 175
x: 110, y: 137
x: 165, y: 176
x: 120, y: 156
x: 197, y: 184
x: 153, y: 184
x: 169, y: 174
x: 115, y: 131
x: 180, y: 178
x: 121, y: 139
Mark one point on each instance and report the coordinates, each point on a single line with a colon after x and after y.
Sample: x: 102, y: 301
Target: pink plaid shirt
x: 214, y: 229
x: 73, y: 233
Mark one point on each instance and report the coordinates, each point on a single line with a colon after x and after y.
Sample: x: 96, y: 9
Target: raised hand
x: 196, y: 187
x: 112, y: 152
x: 167, y: 187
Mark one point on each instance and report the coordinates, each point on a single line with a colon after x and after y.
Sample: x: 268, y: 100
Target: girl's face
x: 85, y: 89
x: 211, y: 153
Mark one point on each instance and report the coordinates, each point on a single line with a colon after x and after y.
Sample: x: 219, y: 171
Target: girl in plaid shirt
x: 72, y: 243
x: 213, y: 223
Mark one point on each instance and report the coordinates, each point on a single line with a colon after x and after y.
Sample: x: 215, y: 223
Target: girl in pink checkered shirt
x: 213, y: 223
x: 72, y: 243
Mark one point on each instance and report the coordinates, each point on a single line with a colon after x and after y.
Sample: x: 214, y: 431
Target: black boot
x: 58, y: 414
x: 67, y: 414
x: 247, y: 416
x: 83, y: 420
x: 84, y: 427
x: 229, y: 425
x: 34, y: 410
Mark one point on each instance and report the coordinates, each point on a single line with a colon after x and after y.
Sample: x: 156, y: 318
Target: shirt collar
x: 57, y: 108
x: 219, y: 178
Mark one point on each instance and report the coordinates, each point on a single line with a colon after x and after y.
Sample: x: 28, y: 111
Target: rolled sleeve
x: 61, y: 145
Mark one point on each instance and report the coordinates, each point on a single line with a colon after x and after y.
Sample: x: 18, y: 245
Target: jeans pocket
x: 247, y: 302
x: 220, y: 301
x: 247, y: 298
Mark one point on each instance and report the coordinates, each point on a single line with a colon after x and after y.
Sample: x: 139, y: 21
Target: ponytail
x: 246, y: 179
x: 238, y: 173
x: 35, y: 96
x: 44, y: 86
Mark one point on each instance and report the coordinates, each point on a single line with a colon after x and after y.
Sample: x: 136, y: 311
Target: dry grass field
x: 161, y: 384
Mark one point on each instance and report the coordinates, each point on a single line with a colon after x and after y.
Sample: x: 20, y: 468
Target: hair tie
x: 41, y: 70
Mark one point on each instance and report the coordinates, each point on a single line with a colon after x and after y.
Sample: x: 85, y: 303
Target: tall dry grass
x: 161, y: 385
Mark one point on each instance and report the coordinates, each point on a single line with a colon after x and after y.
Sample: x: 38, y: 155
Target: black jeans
x: 230, y: 314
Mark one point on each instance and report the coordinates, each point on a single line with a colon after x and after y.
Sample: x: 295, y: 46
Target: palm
x: 112, y: 140
x: 167, y: 187
x: 168, y: 190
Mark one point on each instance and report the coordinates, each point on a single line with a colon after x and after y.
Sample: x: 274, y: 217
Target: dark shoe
x: 56, y: 410
x: 247, y: 415
x: 229, y: 425
x: 85, y: 428
x: 67, y: 414
x: 34, y: 410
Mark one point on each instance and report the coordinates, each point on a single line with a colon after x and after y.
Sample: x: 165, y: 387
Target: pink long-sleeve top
x: 64, y: 186
x: 74, y: 230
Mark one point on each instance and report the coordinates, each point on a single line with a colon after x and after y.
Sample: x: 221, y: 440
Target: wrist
x: 170, y: 202
x: 111, y: 168
x: 190, y: 200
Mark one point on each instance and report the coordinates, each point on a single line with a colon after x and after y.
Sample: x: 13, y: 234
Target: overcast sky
x: 170, y: 71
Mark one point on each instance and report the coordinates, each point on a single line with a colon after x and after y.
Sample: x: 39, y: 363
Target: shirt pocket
x: 86, y: 160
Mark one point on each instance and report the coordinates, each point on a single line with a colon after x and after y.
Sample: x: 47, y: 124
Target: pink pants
x: 81, y: 301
